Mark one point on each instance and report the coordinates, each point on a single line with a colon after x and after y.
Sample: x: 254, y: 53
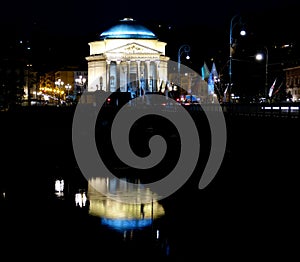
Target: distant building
x: 56, y: 86
x: 293, y: 82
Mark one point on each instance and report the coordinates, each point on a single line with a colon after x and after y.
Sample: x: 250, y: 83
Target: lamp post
x: 68, y: 87
x: 259, y: 57
x: 59, y: 84
x: 242, y: 32
x: 28, y: 80
x: 182, y: 49
x: 80, y: 82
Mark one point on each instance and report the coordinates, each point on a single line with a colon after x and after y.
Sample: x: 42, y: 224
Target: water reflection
x: 100, y: 213
x: 139, y: 211
x: 59, y: 187
x: 81, y: 199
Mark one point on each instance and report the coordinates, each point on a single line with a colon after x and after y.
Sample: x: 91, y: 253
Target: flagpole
x: 232, y: 25
x: 267, y: 63
x: 230, y: 49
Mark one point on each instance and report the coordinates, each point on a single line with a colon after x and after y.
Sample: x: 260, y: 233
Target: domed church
x: 128, y: 57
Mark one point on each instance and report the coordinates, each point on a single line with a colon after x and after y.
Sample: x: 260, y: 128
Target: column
x: 128, y: 76
x: 118, y: 76
x: 138, y: 77
x: 147, y: 63
x: 157, y: 82
x: 107, y: 75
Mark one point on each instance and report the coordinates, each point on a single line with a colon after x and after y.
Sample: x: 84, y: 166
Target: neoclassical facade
x: 128, y: 57
x: 292, y: 76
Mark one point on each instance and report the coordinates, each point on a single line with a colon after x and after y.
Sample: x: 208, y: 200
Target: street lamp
x: 182, y: 49
x: 80, y: 82
x: 259, y: 57
x: 242, y: 33
x: 68, y: 87
x: 28, y: 80
x: 59, y: 84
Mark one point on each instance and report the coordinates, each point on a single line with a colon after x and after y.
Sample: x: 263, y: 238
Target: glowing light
x: 59, y: 187
x: 126, y: 224
x: 80, y: 199
x: 243, y: 33
x: 259, y: 57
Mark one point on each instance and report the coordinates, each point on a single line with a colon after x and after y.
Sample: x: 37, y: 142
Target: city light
x: 80, y: 83
x: 260, y: 56
x: 182, y: 49
x: 68, y: 87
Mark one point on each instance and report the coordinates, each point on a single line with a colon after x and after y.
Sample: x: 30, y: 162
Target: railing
x: 258, y: 110
x: 275, y: 110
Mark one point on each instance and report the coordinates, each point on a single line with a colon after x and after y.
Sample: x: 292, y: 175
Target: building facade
x: 57, y: 86
x: 127, y: 58
x: 292, y: 76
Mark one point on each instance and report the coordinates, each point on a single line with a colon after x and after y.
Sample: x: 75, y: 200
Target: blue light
x: 129, y: 29
x: 126, y: 224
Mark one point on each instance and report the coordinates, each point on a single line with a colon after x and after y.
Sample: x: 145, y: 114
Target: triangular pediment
x: 133, y: 48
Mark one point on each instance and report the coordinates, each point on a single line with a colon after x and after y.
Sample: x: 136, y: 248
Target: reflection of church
x: 121, y: 205
x: 128, y: 58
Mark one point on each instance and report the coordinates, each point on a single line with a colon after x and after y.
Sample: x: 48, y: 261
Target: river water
x: 49, y: 210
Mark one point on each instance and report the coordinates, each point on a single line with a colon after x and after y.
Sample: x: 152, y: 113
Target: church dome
x: 128, y: 28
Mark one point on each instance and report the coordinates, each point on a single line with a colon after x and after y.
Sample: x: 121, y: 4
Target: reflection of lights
x: 103, y: 207
x: 126, y: 224
x: 59, y: 187
x: 80, y: 199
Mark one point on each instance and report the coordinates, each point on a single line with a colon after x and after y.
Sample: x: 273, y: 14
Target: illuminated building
x: 293, y: 82
x: 128, y: 57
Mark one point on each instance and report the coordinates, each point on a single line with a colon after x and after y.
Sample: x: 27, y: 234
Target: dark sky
x: 204, y: 25
x: 90, y: 15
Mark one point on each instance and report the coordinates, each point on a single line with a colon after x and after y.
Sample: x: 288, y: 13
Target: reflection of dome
x: 128, y: 28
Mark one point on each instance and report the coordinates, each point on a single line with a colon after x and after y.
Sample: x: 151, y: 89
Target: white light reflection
x: 80, y: 199
x: 59, y: 187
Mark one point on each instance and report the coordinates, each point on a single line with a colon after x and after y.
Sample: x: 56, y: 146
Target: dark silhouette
x: 142, y: 210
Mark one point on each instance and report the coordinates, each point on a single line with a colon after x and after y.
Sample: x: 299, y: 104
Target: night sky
x: 88, y: 16
x: 204, y: 25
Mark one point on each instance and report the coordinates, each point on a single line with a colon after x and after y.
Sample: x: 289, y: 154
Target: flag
x: 205, y: 72
x: 211, y: 84
x: 225, y: 94
x: 272, y: 88
x: 225, y: 91
x: 214, y: 71
x: 277, y: 90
